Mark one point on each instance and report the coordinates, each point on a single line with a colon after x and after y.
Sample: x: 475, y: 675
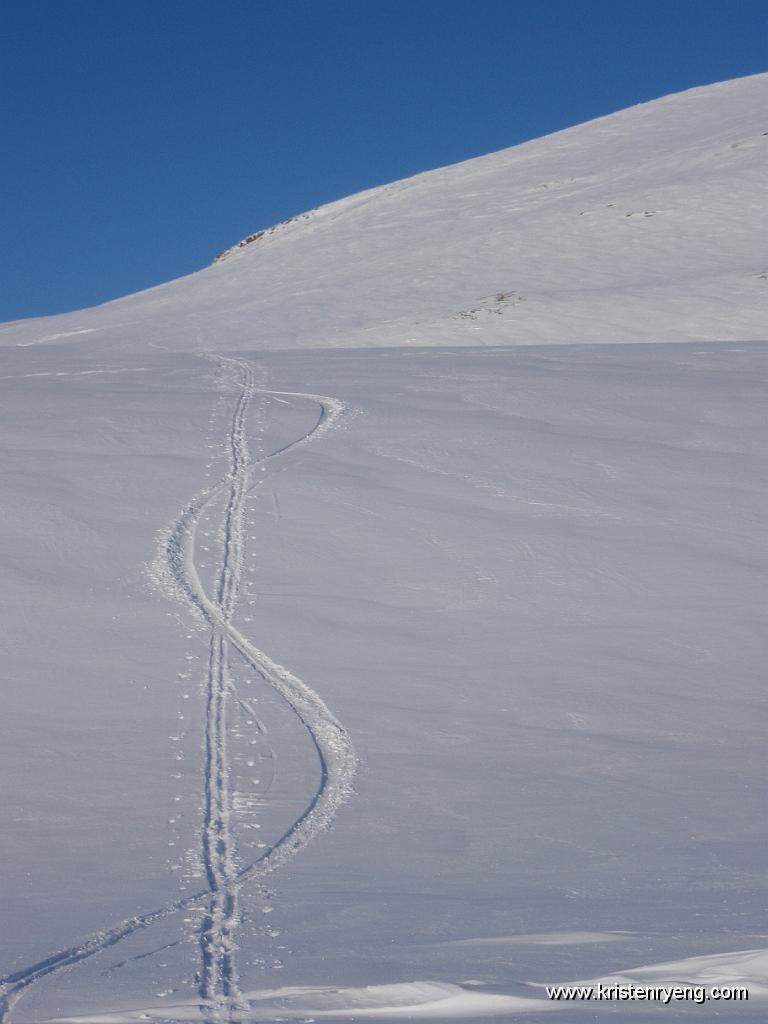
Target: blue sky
x: 139, y: 138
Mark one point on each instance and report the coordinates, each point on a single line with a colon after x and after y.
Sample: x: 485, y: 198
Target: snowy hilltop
x: 647, y: 224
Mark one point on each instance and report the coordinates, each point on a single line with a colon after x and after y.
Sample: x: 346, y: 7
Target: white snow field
x: 384, y: 606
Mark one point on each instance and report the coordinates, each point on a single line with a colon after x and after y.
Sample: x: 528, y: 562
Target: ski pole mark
x: 218, y: 947
x: 336, y: 757
x: 175, y: 571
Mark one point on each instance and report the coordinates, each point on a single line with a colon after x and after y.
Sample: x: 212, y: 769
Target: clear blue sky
x: 139, y: 138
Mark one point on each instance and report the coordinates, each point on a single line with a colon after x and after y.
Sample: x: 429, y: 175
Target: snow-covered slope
x: 648, y: 224
x: 400, y: 683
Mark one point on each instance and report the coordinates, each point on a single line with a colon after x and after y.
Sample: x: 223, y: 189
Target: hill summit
x: 645, y: 225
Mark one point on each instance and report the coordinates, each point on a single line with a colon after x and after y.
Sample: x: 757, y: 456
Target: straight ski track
x: 176, y: 572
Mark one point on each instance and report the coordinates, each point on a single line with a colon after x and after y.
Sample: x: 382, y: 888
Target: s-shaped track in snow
x: 177, y: 571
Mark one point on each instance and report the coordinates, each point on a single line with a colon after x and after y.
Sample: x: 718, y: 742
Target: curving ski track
x: 177, y: 572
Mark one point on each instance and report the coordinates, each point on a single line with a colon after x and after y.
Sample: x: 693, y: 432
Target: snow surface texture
x: 528, y: 585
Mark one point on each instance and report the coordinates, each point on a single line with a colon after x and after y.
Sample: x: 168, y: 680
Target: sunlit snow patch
x: 746, y: 967
x: 415, y: 999
x: 447, y: 1000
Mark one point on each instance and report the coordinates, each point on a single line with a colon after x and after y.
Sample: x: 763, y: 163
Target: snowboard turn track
x: 176, y: 572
